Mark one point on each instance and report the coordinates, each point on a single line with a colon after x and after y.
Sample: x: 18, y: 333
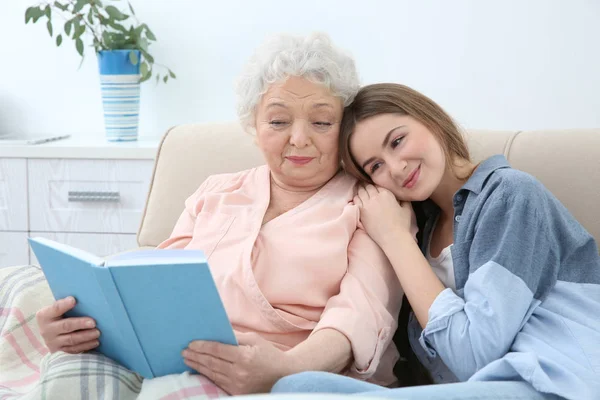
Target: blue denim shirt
x: 527, y: 300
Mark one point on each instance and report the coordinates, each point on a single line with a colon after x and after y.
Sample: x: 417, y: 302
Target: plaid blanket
x: 29, y: 371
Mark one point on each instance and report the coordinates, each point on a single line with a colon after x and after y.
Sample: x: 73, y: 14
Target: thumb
x: 58, y: 308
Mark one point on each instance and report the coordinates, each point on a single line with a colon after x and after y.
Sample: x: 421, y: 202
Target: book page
x: 72, y: 251
x: 157, y: 257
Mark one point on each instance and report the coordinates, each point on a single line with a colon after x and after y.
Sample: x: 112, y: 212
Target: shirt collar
x: 475, y: 182
x: 483, y: 171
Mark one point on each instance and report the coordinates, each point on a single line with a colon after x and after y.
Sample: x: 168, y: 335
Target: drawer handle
x: 111, y: 197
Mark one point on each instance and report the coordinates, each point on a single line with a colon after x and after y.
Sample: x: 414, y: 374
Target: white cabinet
x: 99, y: 244
x: 13, y: 194
x: 14, y: 249
x: 94, y: 196
x: 87, y: 194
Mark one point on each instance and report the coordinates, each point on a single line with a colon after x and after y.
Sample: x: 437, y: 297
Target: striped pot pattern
x: 119, y: 80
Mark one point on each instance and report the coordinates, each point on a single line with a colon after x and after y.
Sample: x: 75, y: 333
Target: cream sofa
x: 566, y: 161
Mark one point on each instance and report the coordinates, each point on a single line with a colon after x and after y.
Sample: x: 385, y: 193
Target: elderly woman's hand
x: 252, y: 367
x: 71, y: 335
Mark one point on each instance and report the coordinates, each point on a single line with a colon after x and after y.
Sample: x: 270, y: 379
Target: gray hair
x: 312, y: 57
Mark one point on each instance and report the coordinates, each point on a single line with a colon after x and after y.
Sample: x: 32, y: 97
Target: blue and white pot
x: 120, y: 81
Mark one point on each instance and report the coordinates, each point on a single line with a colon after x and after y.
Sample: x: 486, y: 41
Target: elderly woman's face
x: 297, y: 128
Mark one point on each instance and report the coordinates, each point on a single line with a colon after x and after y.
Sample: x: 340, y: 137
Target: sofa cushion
x: 187, y: 155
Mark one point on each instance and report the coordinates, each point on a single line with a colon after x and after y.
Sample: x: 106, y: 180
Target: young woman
x: 505, y: 289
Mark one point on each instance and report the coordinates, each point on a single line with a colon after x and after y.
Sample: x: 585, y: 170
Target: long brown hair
x: 393, y: 98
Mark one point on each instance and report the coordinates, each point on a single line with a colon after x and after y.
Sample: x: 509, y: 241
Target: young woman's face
x: 399, y: 154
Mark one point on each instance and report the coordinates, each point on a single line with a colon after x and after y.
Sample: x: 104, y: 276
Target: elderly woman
x: 304, y: 286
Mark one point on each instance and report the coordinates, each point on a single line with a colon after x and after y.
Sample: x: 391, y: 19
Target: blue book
x: 148, y: 305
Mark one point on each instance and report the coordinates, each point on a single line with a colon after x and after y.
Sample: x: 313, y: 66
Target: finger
x: 68, y: 325
x: 77, y: 338
x: 358, y: 201
x: 363, y: 194
x: 223, y: 351
x: 405, y: 204
x: 210, y: 362
x: 372, y: 191
x: 57, y: 309
x: 82, y: 347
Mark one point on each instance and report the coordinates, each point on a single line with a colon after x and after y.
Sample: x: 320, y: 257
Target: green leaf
x: 48, y: 12
x: 79, y: 46
x: 90, y: 16
x: 36, y: 13
x: 133, y: 57
x: 62, y: 7
x: 80, y: 30
x: 116, y: 26
x: 144, y: 69
x: 131, y: 8
x: 143, y: 43
x: 115, y: 14
x: 149, y: 34
x: 137, y: 32
x: 58, y: 40
x: 49, y: 26
x: 29, y: 13
x: 79, y: 5
x: 172, y: 74
x: 147, y: 56
x: 68, y: 26
x: 107, y: 39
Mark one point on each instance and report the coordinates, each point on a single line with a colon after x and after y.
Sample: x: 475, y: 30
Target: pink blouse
x: 308, y: 269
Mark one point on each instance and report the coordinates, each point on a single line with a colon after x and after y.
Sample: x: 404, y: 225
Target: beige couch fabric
x: 566, y: 161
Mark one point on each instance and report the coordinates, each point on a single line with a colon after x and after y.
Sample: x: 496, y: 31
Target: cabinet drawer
x: 13, y: 194
x: 14, y: 249
x: 99, y: 244
x: 95, y: 196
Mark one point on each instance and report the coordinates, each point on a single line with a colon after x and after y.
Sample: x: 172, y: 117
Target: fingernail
x: 96, y: 343
x: 89, y: 324
x: 185, y: 353
x: 71, y: 299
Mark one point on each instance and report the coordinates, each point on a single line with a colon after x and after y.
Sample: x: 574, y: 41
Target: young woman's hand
x: 71, y: 335
x: 383, y: 217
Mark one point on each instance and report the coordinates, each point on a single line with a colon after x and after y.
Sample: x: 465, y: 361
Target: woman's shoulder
x: 342, y: 185
x: 509, y: 184
x: 509, y: 191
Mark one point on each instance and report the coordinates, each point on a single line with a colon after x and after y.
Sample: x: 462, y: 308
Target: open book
x: 148, y: 305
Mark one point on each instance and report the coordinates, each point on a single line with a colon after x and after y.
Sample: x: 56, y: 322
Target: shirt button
x: 457, y: 218
x: 459, y: 197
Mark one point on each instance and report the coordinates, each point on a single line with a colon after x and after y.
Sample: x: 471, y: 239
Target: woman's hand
x: 71, y: 335
x: 383, y: 217
x: 252, y: 367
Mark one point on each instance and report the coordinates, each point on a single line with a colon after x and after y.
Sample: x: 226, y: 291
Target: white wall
x: 503, y: 64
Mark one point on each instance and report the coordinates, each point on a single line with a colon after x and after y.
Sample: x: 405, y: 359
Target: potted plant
x: 121, y: 44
